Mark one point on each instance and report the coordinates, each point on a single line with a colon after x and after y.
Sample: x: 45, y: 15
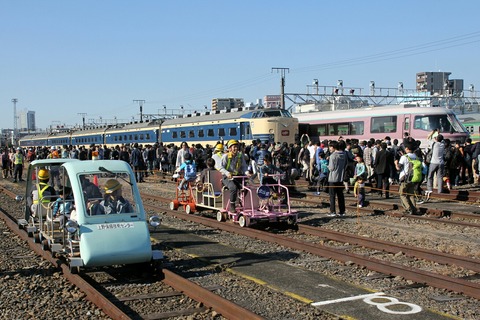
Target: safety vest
x: 237, y: 165
x: 18, y: 158
x: 41, y: 187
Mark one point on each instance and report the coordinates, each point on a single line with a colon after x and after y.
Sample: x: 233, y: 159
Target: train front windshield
x: 445, y: 123
x: 267, y: 113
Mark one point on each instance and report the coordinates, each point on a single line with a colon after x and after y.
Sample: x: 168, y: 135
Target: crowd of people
x: 334, y: 166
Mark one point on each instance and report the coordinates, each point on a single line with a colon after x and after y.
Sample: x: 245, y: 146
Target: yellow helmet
x: 43, y: 174
x: 111, y: 186
x: 231, y: 143
x: 219, y: 147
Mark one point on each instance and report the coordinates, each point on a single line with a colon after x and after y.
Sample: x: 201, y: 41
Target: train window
x: 130, y: 137
x: 383, y: 124
x: 431, y: 122
x: 191, y: 134
x: 183, y: 134
x: 147, y: 136
x: 272, y: 113
x: 135, y: 137
x: 221, y: 132
x: 174, y: 134
x: 141, y: 137
x: 232, y: 132
x: 357, y: 127
x: 210, y: 133
x: 201, y: 134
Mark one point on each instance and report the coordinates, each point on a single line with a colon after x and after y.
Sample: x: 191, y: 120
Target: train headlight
x: 271, y: 131
x: 154, y: 221
x: 71, y: 226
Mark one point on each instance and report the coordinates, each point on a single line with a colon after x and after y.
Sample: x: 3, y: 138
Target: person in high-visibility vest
x: 19, y: 160
x: 42, y: 192
x: 233, y: 164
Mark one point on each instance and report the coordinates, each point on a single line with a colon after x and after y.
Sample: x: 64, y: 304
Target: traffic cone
x: 95, y: 180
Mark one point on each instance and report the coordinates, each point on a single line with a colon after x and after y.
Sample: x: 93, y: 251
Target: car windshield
x: 108, y: 193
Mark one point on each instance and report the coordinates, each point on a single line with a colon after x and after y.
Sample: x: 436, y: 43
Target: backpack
x: 415, y: 170
x: 190, y: 171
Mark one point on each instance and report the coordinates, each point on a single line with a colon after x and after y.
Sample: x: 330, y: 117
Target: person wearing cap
x: 233, y: 164
x: 113, y: 201
x: 19, y: 160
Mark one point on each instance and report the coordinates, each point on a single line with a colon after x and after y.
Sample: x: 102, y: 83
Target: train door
x: 406, y: 125
x: 245, y: 131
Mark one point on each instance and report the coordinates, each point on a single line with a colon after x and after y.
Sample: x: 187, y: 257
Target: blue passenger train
x: 270, y: 124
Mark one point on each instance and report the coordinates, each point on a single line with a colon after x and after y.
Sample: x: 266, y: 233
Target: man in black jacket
x: 384, y: 162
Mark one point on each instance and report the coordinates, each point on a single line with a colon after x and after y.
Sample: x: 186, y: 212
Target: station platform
x: 320, y: 291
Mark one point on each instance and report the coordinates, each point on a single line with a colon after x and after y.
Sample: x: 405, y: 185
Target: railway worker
x: 18, y: 162
x: 53, y: 153
x: 41, y: 192
x: 337, y: 164
x: 407, y: 188
x: 233, y: 164
x: 437, y: 164
x: 181, y: 154
x: 113, y: 201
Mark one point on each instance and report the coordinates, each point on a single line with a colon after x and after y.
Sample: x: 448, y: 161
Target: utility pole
x: 282, y: 85
x: 14, y: 135
x: 140, y: 103
x: 83, y: 118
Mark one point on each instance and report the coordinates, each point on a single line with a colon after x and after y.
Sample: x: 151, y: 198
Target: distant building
x: 27, y: 121
x: 227, y: 103
x: 272, y: 101
x: 438, y: 83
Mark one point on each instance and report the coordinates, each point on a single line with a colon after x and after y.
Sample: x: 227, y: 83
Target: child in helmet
x: 189, y: 171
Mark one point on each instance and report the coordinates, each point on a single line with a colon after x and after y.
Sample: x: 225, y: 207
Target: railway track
x: 431, y: 212
x: 172, y: 286
x: 433, y: 279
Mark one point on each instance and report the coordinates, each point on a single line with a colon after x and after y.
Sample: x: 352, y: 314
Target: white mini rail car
x: 94, y: 218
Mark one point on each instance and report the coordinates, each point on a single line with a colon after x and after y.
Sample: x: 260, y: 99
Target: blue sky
x: 63, y: 58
